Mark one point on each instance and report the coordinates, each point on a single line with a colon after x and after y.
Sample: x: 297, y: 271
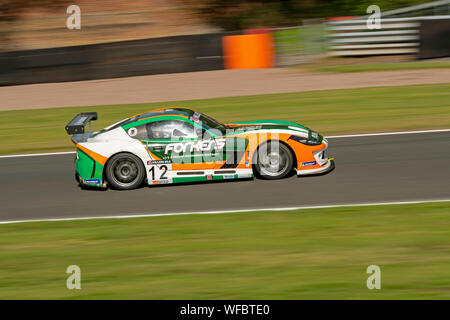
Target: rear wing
x: 76, y: 126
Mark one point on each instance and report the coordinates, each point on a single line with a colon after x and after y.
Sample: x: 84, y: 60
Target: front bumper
x: 328, y: 167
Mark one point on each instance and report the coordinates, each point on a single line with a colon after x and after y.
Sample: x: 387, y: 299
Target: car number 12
x: 159, y: 171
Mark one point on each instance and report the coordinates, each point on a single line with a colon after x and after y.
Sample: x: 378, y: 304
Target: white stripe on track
x: 37, y: 154
x: 227, y: 211
x: 388, y: 133
x: 328, y: 137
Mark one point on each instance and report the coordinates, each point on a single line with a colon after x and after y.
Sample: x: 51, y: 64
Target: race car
x: 178, y: 145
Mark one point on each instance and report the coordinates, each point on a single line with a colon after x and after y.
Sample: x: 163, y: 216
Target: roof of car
x: 164, y: 112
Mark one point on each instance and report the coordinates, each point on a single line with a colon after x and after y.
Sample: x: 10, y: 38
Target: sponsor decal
x: 228, y: 176
x: 161, y: 182
x: 209, y: 177
x: 247, y: 163
x: 91, y: 181
x: 191, y: 146
x: 196, y: 120
x: 196, y: 117
x: 244, y: 175
x: 132, y: 132
x: 309, y: 163
x: 152, y: 162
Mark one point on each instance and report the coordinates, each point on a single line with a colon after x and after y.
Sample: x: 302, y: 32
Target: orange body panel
x: 94, y: 155
x: 194, y: 166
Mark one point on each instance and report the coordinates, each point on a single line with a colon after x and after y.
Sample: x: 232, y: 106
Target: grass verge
x: 305, y: 254
x: 329, y: 112
x: 381, y: 66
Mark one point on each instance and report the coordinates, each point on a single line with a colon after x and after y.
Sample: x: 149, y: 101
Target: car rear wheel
x: 274, y: 160
x: 125, y: 171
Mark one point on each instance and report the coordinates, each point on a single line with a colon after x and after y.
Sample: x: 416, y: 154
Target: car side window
x: 138, y: 132
x: 170, y: 129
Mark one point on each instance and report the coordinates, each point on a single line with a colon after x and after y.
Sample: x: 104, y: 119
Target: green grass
x: 305, y: 254
x: 381, y: 66
x: 329, y: 112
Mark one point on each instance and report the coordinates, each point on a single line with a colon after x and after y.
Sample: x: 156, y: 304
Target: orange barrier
x: 251, y: 51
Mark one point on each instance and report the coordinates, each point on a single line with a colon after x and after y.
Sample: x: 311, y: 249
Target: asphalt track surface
x: 368, y: 169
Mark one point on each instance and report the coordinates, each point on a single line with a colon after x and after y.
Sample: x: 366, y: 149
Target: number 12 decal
x: 163, y: 171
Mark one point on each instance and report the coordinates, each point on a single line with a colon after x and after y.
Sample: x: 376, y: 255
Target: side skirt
x: 182, y: 176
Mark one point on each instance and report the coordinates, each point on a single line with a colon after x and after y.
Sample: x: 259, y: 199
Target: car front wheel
x: 274, y: 160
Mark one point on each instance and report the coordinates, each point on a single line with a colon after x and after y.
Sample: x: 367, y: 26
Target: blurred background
x: 128, y: 38
x: 313, y: 62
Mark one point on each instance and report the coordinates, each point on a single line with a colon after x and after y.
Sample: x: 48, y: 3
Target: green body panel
x: 204, y: 178
x: 234, y: 148
x: 87, y: 168
x: 279, y: 122
x: 158, y: 147
x: 152, y: 119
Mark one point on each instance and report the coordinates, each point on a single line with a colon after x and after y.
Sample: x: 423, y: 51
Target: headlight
x: 305, y: 141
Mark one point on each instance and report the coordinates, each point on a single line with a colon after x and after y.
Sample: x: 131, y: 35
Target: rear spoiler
x: 76, y: 126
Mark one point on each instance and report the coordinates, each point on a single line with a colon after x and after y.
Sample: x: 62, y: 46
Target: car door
x: 228, y: 149
x: 177, y: 144
x: 234, y: 152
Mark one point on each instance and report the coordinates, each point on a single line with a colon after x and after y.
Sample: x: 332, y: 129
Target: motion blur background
x: 309, y: 61
x: 119, y: 38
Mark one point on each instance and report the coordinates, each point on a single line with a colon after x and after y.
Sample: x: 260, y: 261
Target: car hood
x: 274, y: 125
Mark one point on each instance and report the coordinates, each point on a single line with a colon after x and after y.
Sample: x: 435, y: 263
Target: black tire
x: 125, y: 171
x: 274, y: 160
x: 77, y: 178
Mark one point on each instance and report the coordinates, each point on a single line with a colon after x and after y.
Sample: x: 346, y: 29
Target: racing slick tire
x: 77, y: 178
x: 125, y: 171
x: 274, y: 160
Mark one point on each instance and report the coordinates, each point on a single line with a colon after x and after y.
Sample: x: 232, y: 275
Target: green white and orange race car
x: 173, y: 145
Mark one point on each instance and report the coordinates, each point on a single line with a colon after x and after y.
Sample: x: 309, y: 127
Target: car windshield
x: 211, y: 123
x: 206, y: 121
